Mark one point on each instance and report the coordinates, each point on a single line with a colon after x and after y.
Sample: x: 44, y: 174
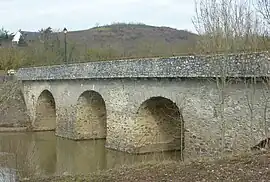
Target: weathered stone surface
x: 132, y: 126
x: 13, y: 111
x: 91, y: 116
x: 243, y: 65
x: 45, y: 112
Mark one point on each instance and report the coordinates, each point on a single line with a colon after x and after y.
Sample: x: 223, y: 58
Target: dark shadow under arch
x: 45, y: 112
x: 91, y: 116
x: 160, y: 126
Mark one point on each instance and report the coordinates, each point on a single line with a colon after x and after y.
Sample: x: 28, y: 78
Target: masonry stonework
x: 46, y: 113
x: 155, y: 105
x: 91, y: 116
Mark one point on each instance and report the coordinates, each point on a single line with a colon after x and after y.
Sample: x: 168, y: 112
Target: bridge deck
x: 240, y: 65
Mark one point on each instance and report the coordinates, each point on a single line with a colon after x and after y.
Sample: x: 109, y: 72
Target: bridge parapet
x: 232, y: 65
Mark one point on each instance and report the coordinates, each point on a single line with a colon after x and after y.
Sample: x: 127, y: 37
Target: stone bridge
x: 158, y: 104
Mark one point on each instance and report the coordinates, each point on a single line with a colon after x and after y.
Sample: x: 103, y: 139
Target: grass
x: 103, y: 29
x: 241, y: 167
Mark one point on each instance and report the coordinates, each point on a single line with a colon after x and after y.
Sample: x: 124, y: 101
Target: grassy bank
x: 241, y: 167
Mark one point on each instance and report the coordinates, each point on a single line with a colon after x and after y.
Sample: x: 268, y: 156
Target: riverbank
x: 240, y: 168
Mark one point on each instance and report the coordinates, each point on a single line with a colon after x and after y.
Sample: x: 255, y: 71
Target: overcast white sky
x: 31, y: 15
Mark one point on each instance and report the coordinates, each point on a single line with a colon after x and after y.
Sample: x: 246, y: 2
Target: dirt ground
x: 245, y: 168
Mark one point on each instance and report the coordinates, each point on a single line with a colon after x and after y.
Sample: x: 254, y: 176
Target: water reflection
x: 80, y: 157
x: 43, y: 154
x: 8, y: 175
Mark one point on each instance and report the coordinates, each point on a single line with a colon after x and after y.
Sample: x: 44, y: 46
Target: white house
x: 16, y: 38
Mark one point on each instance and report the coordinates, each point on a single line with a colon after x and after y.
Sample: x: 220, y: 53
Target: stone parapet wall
x: 233, y: 65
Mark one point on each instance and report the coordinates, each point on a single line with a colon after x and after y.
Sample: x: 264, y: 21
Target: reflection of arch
x: 160, y: 126
x: 91, y: 116
x: 45, y: 112
x: 41, y: 156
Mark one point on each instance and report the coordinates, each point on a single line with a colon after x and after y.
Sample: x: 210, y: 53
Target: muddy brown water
x: 44, y: 154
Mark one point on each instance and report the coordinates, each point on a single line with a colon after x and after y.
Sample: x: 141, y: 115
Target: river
x: 44, y: 154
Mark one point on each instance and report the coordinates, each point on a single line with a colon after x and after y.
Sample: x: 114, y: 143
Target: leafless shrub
x: 250, y: 96
x: 266, y: 85
x: 228, y: 26
x: 263, y: 8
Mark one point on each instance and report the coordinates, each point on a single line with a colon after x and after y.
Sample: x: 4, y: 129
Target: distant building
x: 26, y: 38
x: 23, y: 38
x: 16, y: 38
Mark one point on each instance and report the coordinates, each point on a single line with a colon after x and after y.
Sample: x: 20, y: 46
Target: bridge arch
x: 160, y: 126
x: 45, y: 112
x: 91, y: 116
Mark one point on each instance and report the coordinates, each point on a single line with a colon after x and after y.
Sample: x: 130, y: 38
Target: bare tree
x: 250, y: 96
x: 263, y: 7
x: 266, y: 90
x: 227, y: 26
x: 222, y: 84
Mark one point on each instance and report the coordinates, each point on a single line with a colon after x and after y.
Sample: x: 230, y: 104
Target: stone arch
x: 91, y: 116
x: 159, y: 126
x: 45, y: 112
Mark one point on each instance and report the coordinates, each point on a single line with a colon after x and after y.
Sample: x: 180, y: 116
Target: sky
x: 32, y: 15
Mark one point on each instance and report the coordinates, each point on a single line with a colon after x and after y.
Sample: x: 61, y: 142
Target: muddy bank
x: 12, y: 106
x: 240, y: 168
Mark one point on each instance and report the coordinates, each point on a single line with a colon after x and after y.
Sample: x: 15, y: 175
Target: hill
x: 127, y: 40
x: 135, y: 39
